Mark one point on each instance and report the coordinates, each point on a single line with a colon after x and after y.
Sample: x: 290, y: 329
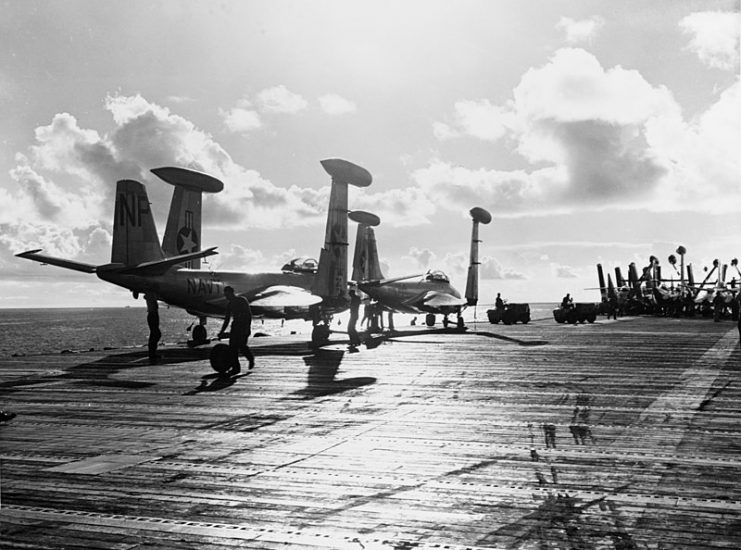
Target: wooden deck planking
x: 427, y: 438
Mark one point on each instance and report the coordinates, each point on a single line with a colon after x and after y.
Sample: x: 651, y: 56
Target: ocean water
x: 41, y: 331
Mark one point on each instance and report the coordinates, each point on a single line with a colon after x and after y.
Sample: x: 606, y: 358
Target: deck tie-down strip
x: 227, y: 530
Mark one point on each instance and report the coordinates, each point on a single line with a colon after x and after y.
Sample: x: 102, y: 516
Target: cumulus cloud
x: 715, y: 38
x: 478, y: 118
x: 334, y: 104
x: 280, y: 99
x: 399, y: 207
x: 607, y: 138
x: 242, y: 118
x: 62, y: 198
x: 563, y: 271
x: 491, y: 268
x: 424, y: 257
x: 582, y: 30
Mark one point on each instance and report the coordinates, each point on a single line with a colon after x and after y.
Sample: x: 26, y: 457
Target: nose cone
x: 480, y: 215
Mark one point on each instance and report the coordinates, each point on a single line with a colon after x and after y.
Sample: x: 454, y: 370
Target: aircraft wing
x: 383, y: 282
x: 59, y: 262
x: 160, y: 266
x: 280, y: 296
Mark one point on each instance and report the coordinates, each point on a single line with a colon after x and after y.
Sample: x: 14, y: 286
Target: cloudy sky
x: 593, y: 131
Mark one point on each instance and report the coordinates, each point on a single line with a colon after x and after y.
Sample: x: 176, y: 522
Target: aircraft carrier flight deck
x: 622, y: 434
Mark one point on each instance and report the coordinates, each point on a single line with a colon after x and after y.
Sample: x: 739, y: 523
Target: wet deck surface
x: 622, y: 434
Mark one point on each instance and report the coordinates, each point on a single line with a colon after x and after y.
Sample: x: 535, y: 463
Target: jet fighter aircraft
x: 139, y: 263
x: 432, y: 294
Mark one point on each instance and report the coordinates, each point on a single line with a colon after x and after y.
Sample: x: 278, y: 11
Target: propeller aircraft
x: 304, y: 289
x: 431, y: 294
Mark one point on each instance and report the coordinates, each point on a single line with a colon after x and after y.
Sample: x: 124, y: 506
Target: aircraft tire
x: 219, y: 357
x: 319, y: 335
x: 430, y: 319
x: 199, y: 333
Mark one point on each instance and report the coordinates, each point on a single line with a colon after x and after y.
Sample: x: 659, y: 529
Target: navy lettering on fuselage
x: 132, y: 209
x: 203, y: 287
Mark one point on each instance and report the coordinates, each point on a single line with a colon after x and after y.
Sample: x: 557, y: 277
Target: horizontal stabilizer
x: 284, y: 296
x: 59, y: 262
x: 196, y: 181
x: 161, y: 266
x: 441, y: 299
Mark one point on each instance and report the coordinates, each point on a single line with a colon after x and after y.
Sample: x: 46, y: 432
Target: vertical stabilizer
x: 134, y: 233
x: 619, y: 279
x: 479, y: 216
x: 183, y: 230
x: 601, y: 278
x: 365, y: 265
x: 331, y: 279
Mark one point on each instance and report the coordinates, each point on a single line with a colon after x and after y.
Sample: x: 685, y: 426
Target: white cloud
x: 398, y: 207
x: 480, y: 119
x: 241, y: 120
x: 424, y: 257
x: 491, y: 268
x: 64, y: 182
x: 334, y: 104
x: 582, y: 30
x: 607, y: 137
x: 715, y: 38
x: 280, y: 99
x: 563, y: 271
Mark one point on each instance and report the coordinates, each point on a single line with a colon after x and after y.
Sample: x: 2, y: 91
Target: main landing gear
x: 430, y: 320
x: 320, y: 334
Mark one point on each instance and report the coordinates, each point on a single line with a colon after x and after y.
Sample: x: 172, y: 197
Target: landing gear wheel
x: 320, y: 335
x: 430, y: 319
x: 220, y: 357
x: 446, y: 322
x: 199, y: 334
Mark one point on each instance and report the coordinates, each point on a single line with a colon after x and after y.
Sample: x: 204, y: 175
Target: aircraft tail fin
x: 365, y: 265
x: 601, y: 278
x: 330, y: 281
x: 479, y: 216
x: 619, y: 280
x: 183, y: 229
x: 134, y: 233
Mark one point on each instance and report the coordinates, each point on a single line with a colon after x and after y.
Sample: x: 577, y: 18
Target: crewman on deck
x: 567, y: 302
x: 238, y: 312
x: 499, y: 303
x: 153, y: 321
x: 354, y: 310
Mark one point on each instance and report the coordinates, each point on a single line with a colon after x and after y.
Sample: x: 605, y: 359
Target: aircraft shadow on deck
x: 375, y: 340
x: 324, y: 364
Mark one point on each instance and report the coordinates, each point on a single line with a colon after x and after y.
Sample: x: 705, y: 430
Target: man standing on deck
x: 351, y: 330
x: 239, y: 313
x: 153, y: 321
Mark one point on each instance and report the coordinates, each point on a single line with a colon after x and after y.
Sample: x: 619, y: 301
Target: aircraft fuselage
x: 410, y: 296
x: 201, y: 292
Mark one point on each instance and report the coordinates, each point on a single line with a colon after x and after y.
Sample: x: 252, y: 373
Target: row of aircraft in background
x: 304, y: 288
x: 651, y: 292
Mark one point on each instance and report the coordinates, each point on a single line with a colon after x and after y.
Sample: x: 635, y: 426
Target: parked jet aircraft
x: 140, y: 264
x: 432, y: 294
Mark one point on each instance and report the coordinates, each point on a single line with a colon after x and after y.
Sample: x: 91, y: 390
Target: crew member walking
x: 153, y: 321
x: 354, y: 310
x: 239, y: 313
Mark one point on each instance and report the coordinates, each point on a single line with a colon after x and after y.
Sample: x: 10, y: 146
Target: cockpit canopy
x: 437, y: 276
x: 301, y: 265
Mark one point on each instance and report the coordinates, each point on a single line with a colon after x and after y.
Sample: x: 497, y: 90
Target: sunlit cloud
x: 280, y: 99
x: 242, y: 118
x: 334, y: 104
x: 582, y: 30
x: 715, y: 38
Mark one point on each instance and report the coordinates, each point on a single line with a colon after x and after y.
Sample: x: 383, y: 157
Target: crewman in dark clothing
x: 499, y: 303
x: 567, y: 302
x: 153, y: 321
x: 354, y: 310
x: 239, y: 313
